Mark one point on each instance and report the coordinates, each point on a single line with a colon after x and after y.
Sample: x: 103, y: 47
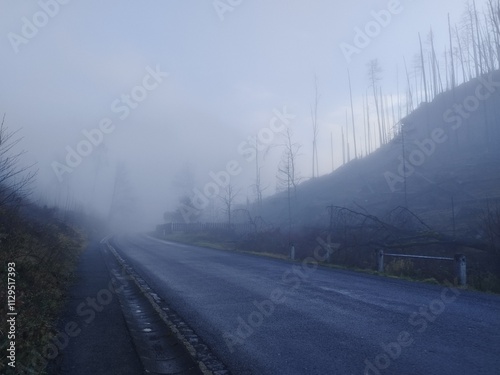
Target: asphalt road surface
x: 103, y: 345
x: 266, y: 316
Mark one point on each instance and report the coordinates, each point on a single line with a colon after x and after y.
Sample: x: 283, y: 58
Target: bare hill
x: 450, y: 172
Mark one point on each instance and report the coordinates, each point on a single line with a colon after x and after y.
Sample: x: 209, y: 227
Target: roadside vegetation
x: 45, y: 251
x: 354, y: 239
x: 44, y: 245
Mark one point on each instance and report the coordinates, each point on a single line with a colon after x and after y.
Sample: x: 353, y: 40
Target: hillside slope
x: 452, y: 162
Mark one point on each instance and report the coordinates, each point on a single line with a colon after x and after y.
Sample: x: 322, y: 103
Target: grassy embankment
x: 45, y: 251
x: 482, y: 267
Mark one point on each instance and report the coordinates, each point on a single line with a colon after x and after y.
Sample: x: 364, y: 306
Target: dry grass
x: 45, y: 252
x: 481, y: 276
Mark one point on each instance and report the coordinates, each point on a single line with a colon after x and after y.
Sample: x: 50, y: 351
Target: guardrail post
x: 380, y: 261
x: 461, y: 269
x: 292, y: 251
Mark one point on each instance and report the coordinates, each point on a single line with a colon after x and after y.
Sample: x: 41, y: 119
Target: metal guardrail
x: 459, y: 259
x: 419, y: 256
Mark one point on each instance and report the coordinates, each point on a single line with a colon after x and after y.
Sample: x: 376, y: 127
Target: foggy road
x: 267, y: 316
x: 260, y: 124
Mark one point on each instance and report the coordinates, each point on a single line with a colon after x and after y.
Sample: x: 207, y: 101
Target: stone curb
x: 208, y: 363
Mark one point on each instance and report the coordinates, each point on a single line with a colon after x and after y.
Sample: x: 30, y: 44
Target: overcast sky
x: 228, y: 69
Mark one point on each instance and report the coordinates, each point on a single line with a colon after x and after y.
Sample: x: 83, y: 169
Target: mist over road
x: 267, y: 316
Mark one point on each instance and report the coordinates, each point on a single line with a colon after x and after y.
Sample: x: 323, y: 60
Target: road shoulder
x: 100, y: 342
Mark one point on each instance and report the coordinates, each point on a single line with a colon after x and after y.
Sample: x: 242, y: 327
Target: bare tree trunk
x: 383, y: 118
x: 365, y: 129
x: 347, y: 136
x: 331, y: 149
x: 424, y: 77
x: 432, y: 61
x: 258, y: 187
x: 352, y: 115
x: 453, y: 80
x: 368, y: 126
x: 409, y: 100
x: 478, y: 35
x: 343, y: 147
x: 494, y: 13
x: 228, y: 201
x: 314, y: 119
x: 474, y: 46
x: 374, y: 77
x: 404, y: 164
x: 287, y: 173
x: 447, y: 70
x: 394, y: 121
x: 438, y: 83
x: 462, y: 58
x: 400, y: 115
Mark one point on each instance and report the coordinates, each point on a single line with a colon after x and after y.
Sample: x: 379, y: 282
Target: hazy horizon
x: 209, y: 77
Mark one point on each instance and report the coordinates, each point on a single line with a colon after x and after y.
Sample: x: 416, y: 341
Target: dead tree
x: 228, y: 201
x: 352, y: 114
x: 422, y: 66
x: 452, y: 59
x: 398, y: 229
x: 314, y: 121
x: 288, y: 176
x: 15, y: 179
x: 374, y: 71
